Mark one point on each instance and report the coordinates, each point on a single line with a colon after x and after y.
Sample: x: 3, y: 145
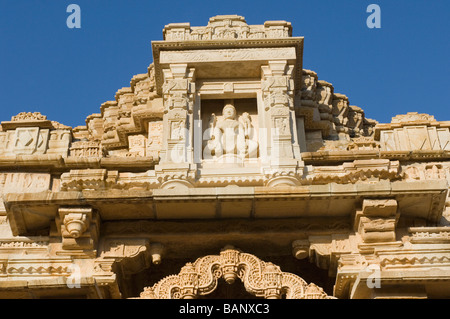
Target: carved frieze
x: 38, y: 267
x: 430, y: 235
x: 24, y: 182
x: 427, y: 171
x: 137, y: 145
x: 219, y: 55
x: 28, y: 141
x: 77, y: 180
x: 227, y: 27
x: 363, y: 143
x: 29, y: 116
x: 154, y: 141
x: 368, y: 171
x: 412, y: 117
x: 59, y: 142
x: 85, y: 149
x: 26, y: 244
x: 32, y: 134
x: 413, y: 132
x: 417, y: 260
x: 102, y: 179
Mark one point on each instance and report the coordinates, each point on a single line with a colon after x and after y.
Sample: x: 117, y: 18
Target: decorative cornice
x: 158, y: 46
x: 29, y: 116
x: 349, y: 155
x: 416, y: 260
x: 429, y: 235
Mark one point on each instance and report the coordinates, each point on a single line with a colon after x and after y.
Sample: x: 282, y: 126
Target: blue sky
x: 67, y: 74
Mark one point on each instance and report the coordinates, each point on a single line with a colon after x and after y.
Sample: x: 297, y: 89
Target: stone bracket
x: 130, y: 255
x: 326, y: 251
x: 79, y: 227
x: 377, y: 220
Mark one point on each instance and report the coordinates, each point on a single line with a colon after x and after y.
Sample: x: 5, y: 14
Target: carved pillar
x: 177, y: 166
x: 278, y: 98
x: 277, y: 87
x: 179, y: 95
x: 229, y: 259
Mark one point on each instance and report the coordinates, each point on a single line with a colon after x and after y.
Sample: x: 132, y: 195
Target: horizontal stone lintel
x: 29, y: 211
x: 227, y: 55
x: 57, y: 161
x: 371, y: 190
x: 351, y: 155
x: 51, y: 161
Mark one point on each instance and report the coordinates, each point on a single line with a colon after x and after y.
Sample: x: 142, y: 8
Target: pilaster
x: 179, y: 96
x: 277, y: 87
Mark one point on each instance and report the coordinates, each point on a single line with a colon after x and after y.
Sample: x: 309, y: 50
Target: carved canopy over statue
x: 229, y: 136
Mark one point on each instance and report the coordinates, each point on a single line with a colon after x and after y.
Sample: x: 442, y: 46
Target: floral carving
x: 29, y: 116
x: 76, y: 224
x: 227, y: 27
x: 413, y: 117
x: 262, y: 279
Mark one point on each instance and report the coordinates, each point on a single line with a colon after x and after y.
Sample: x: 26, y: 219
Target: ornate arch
x: 262, y: 279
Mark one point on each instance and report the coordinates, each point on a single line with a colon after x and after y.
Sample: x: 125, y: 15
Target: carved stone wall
x: 32, y: 133
x: 225, y: 140
x: 413, y: 131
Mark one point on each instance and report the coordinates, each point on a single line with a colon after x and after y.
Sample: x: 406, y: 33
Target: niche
x: 229, y: 130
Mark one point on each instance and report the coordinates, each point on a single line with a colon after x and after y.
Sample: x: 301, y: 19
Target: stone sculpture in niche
x: 227, y: 136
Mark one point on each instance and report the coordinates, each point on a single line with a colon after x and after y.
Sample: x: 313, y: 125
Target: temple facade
x: 225, y: 170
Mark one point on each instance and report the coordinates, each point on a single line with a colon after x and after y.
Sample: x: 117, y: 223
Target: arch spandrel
x: 260, y: 278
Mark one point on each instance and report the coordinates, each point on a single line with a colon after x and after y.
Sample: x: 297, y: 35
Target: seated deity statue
x: 229, y: 136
